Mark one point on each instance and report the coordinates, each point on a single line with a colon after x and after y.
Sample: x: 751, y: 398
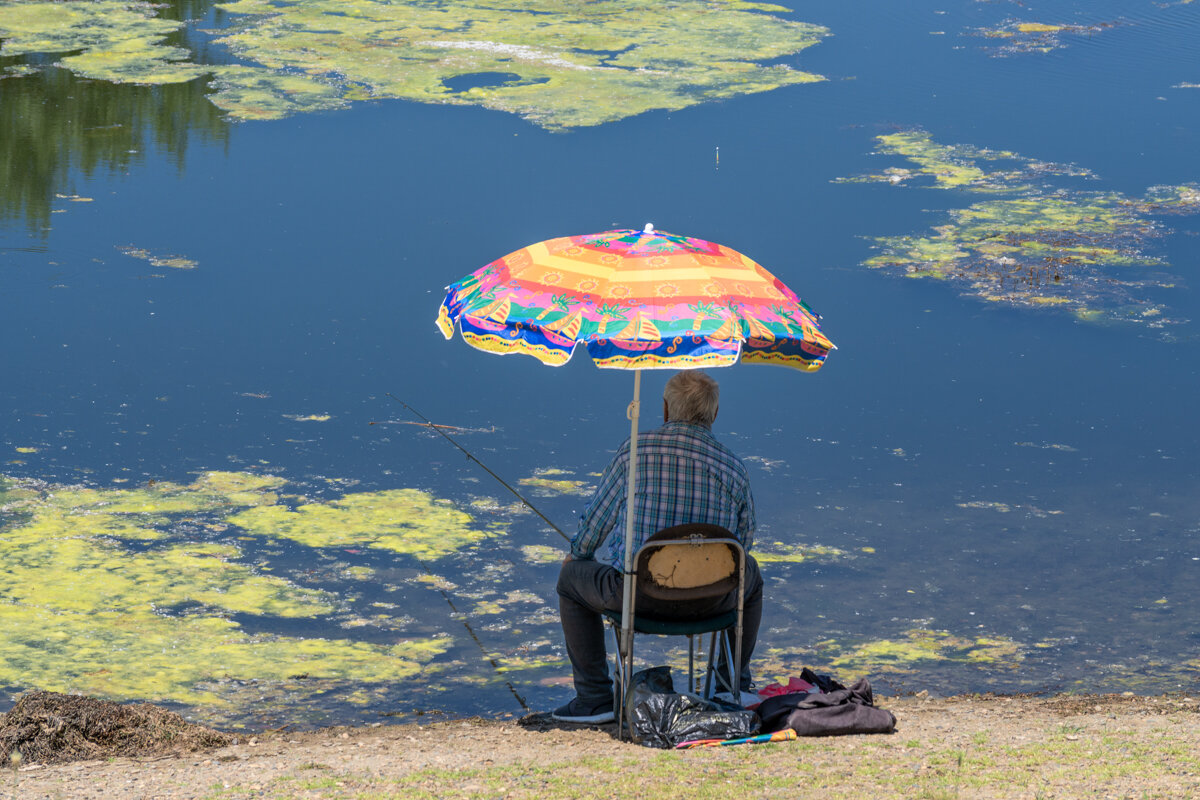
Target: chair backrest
x: 689, y: 562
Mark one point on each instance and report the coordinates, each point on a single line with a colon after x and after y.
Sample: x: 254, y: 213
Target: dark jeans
x: 587, y: 588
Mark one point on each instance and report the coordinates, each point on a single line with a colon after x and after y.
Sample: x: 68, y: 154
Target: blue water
x: 324, y: 241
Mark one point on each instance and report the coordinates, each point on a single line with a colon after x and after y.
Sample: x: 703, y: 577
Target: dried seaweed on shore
x: 53, y: 728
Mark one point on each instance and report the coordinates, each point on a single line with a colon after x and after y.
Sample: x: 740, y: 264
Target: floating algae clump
x: 778, y: 552
x: 1017, y: 38
x: 93, y: 601
x: 110, y: 40
x: 542, y: 554
x: 918, y: 650
x: 547, y: 483
x: 250, y: 92
x: 1040, y: 246
x: 559, y: 64
x: 151, y: 580
x: 139, y: 513
x: 921, y: 645
x: 957, y: 166
x: 166, y: 260
x: 129, y: 653
x: 406, y: 521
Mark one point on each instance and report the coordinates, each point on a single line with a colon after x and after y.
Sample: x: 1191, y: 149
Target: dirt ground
x: 1100, y: 746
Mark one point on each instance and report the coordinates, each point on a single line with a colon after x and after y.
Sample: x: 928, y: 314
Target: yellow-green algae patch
x: 254, y: 93
x: 559, y: 64
x: 111, y: 40
x: 546, y: 482
x: 542, y: 554
x: 959, y: 166
x: 83, y: 611
x: 211, y: 491
x: 915, y: 649
x: 922, y: 644
x: 125, y: 654
x: 1014, y: 37
x: 144, y: 582
x: 528, y: 663
x: 497, y: 605
x: 780, y: 553
x: 492, y: 506
x: 1039, y: 247
x: 406, y: 521
x: 172, y: 261
x: 142, y: 512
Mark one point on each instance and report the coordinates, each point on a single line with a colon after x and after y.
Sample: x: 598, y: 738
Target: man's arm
x: 601, y: 513
x: 746, y: 521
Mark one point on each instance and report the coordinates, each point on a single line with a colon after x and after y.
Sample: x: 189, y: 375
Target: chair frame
x: 624, y: 654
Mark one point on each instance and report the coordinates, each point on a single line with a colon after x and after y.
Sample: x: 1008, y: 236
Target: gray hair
x: 692, y: 396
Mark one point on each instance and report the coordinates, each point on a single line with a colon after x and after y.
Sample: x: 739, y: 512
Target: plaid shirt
x: 684, y: 475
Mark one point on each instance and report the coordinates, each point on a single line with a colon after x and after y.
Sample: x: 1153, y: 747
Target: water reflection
x: 55, y: 124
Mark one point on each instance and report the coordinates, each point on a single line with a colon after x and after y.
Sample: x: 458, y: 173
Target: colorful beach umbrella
x: 634, y: 300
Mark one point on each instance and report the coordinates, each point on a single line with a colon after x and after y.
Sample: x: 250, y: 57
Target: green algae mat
x: 557, y: 64
x: 101, y: 598
x: 171, y: 593
x: 1032, y: 243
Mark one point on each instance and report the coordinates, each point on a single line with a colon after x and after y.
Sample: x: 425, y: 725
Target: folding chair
x: 679, y: 567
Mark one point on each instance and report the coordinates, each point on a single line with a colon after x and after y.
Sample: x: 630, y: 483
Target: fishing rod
x: 471, y: 456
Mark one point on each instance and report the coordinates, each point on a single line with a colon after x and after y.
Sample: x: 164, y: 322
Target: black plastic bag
x: 660, y: 717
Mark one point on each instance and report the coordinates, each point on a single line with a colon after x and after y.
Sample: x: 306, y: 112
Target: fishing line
x: 466, y: 621
x: 429, y: 424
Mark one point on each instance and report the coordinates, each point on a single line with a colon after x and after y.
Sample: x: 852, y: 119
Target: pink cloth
x: 794, y: 686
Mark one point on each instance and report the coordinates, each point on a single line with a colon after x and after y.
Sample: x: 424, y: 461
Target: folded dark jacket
x: 836, y: 713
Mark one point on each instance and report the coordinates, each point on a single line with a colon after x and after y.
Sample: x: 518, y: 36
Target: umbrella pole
x: 627, y: 594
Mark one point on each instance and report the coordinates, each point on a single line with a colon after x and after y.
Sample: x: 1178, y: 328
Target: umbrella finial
x: 649, y: 228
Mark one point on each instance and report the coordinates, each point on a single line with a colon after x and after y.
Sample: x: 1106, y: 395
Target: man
x: 684, y: 475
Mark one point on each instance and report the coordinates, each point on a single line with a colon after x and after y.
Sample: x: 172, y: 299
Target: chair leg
x: 731, y: 674
x: 620, y: 680
x: 736, y: 689
x: 714, y: 681
x: 691, y: 682
x: 623, y: 720
x: 708, y: 672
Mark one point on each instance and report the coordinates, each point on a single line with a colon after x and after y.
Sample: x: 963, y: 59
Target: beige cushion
x: 685, y: 566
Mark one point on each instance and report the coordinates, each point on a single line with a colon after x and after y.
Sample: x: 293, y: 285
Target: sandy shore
x: 1102, y: 746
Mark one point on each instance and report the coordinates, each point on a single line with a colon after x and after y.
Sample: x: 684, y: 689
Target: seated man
x: 684, y: 475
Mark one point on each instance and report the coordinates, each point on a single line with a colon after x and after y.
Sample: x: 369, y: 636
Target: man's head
x: 691, y: 396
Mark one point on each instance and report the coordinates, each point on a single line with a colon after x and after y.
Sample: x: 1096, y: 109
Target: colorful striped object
x: 635, y: 300
x: 785, y: 735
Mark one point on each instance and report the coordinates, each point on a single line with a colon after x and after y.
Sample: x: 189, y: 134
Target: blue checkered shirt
x: 684, y: 475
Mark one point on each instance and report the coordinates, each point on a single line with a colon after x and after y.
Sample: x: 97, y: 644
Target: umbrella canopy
x: 635, y: 300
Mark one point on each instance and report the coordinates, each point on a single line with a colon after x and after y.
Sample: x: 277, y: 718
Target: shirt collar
x: 678, y: 425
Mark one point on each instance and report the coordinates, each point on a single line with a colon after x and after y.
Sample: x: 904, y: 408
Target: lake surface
x: 203, y: 498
